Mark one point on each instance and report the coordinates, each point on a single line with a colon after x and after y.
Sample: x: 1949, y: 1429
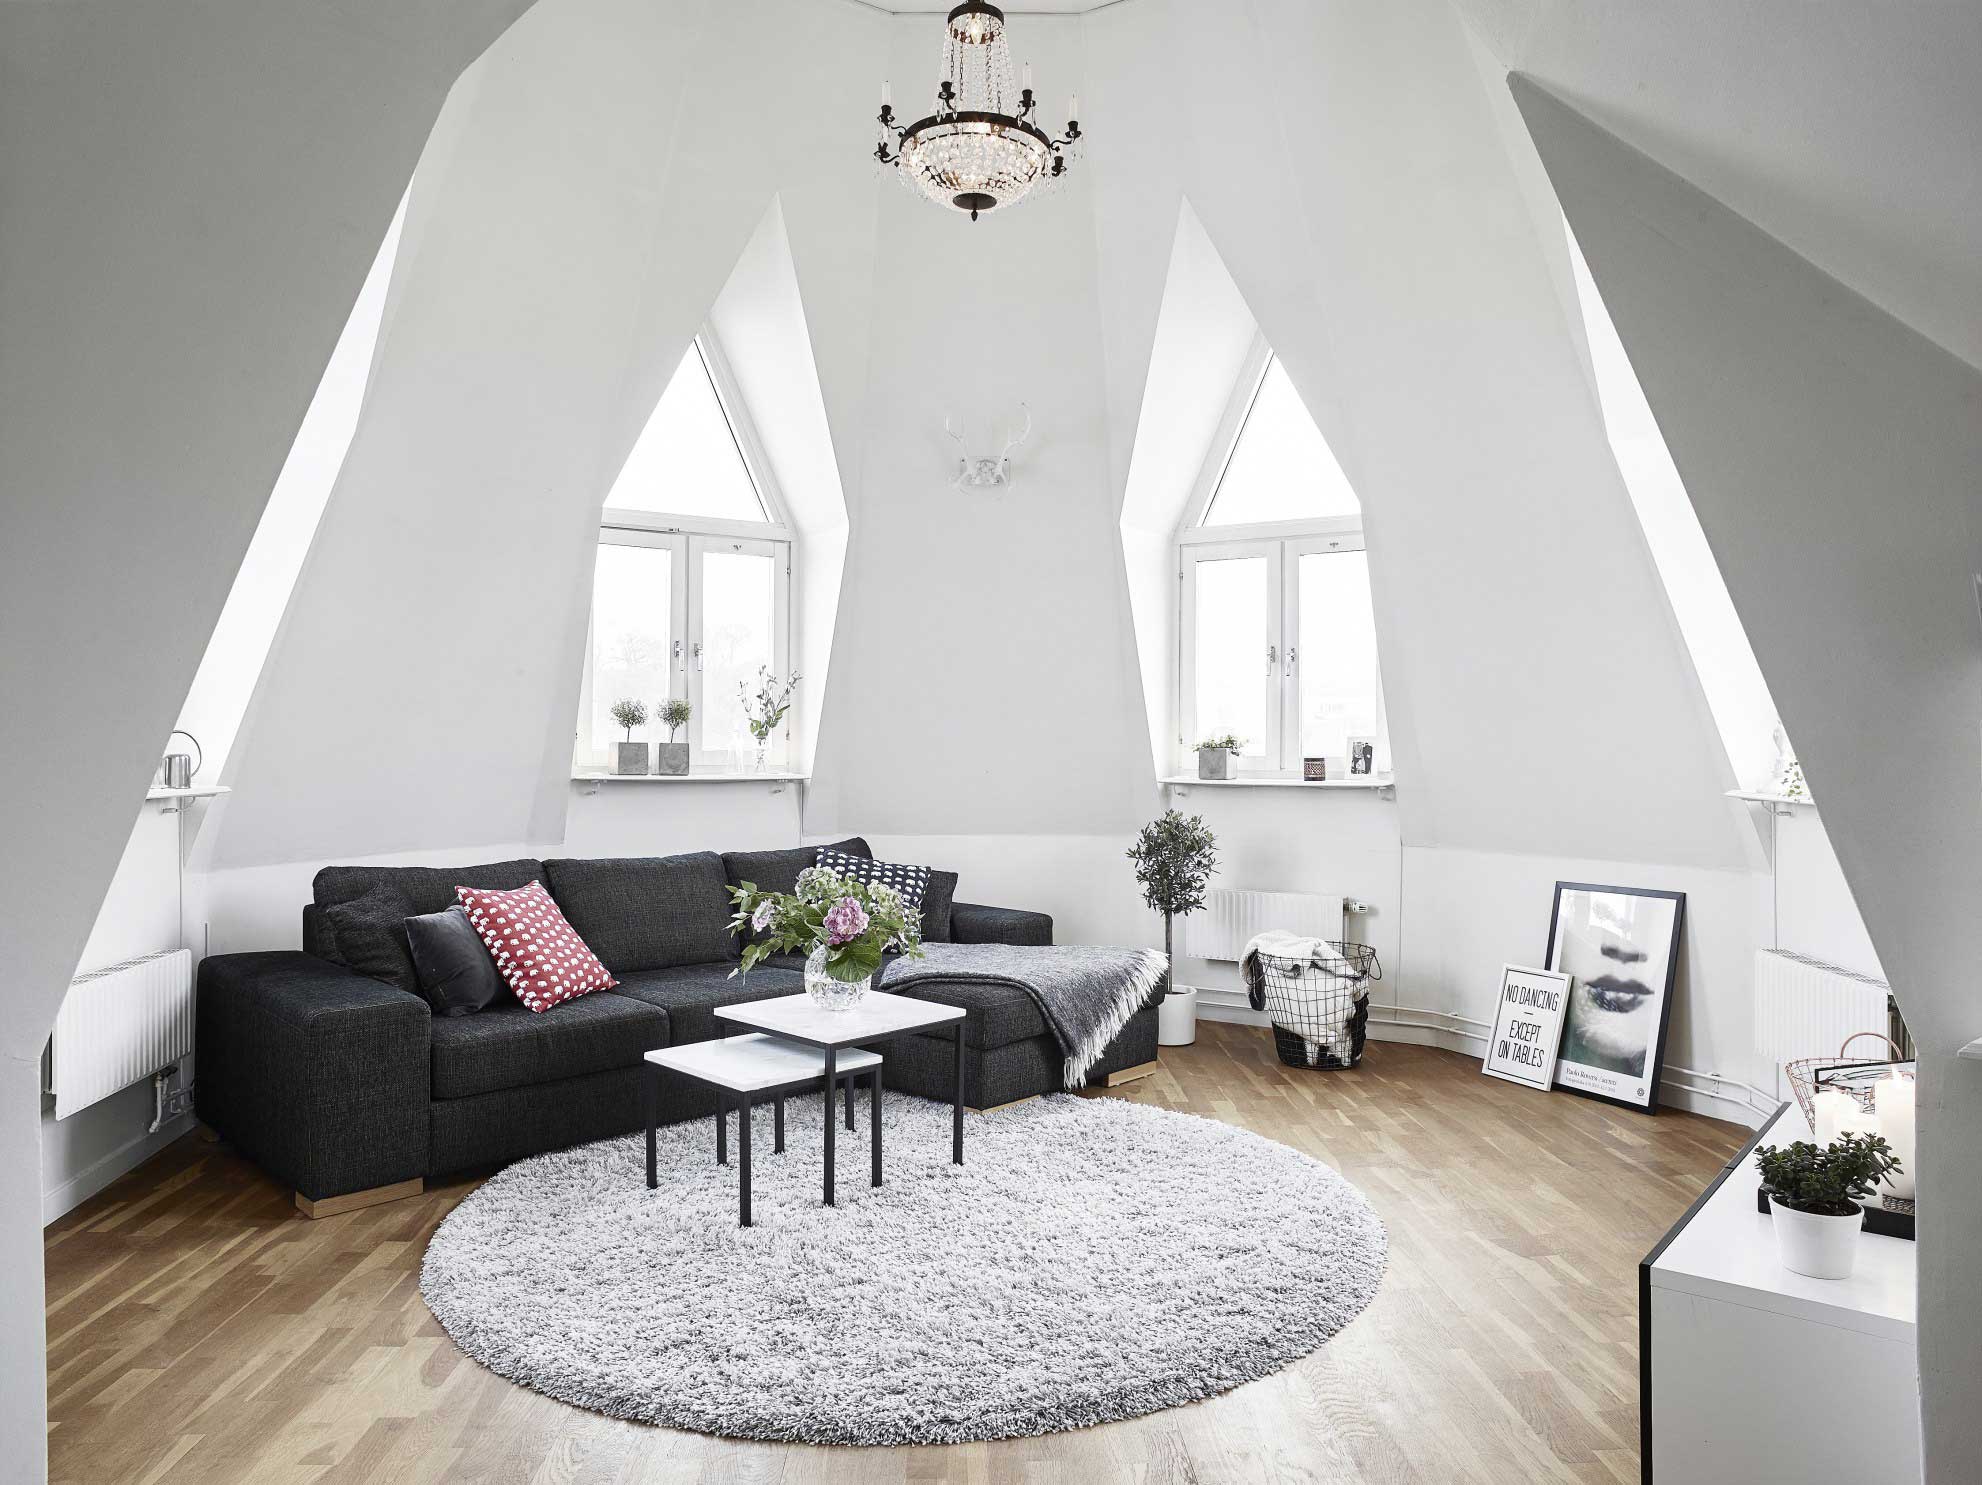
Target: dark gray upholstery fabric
x: 458, y: 975
x: 777, y: 871
x: 313, y: 1071
x: 689, y: 994
x: 926, y: 1066
x: 366, y: 907
x: 650, y: 912
x: 973, y: 923
x: 938, y: 907
x: 316, y: 934
x: 509, y: 1045
x: 491, y: 1129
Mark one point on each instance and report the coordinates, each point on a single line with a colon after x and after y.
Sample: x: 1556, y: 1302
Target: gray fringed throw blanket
x: 1087, y: 994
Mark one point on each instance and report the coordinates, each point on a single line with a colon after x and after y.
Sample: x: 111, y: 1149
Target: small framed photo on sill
x: 1527, y: 1026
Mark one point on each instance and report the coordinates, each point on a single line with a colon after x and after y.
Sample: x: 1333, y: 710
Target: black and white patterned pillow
x: 910, y: 881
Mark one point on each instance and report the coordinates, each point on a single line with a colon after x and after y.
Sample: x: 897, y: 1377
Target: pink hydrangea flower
x: 845, y: 919
x: 761, y: 919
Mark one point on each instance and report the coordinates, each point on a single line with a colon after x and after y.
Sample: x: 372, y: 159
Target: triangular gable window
x: 1281, y: 468
x: 686, y: 461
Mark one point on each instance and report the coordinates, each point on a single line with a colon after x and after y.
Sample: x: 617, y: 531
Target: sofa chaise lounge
x: 328, y: 1068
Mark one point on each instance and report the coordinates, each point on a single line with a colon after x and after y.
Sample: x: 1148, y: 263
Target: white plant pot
x: 1815, y: 1245
x: 1176, y: 1019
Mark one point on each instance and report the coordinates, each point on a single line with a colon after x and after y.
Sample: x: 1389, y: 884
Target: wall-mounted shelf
x: 1762, y: 796
x: 197, y: 791
x: 1385, y: 787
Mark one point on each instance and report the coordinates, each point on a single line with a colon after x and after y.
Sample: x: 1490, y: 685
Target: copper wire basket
x: 1803, y: 1075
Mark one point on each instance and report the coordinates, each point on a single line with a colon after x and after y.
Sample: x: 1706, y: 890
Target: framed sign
x: 1621, y: 946
x: 1527, y: 1026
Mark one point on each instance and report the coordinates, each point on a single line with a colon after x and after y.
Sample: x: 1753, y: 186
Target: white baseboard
x: 80, y: 1187
x: 1678, y: 1087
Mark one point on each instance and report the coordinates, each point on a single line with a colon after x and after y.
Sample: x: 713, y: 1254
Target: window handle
x: 677, y: 654
x: 698, y: 654
x: 1272, y: 658
x: 1293, y: 659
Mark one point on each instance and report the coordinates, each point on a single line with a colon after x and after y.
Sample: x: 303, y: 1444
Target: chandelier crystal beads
x: 977, y: 151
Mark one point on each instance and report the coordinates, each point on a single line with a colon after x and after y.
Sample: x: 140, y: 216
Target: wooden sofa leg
x: 351, y: 1201
x: 1130, y: 1074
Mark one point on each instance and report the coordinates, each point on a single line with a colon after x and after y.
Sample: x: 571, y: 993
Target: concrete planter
x: 629, y: 757
x: 1214, y: 763
x: 671, y: 757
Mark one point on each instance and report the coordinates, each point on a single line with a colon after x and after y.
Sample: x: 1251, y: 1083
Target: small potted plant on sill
x: 671, y: 757
x: 1175, y: 856
x: 629, y: 756
x: 1815, y: 1193
x: 1215, y: 755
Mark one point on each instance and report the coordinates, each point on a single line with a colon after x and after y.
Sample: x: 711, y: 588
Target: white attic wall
x: 1839, y: 488
x: 190, y: 196
x: 446, y: 601
x: 759, y: 320
x: 1204, y: 335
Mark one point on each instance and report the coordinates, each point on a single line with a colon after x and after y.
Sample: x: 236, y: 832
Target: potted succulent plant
x: 629, y: 756
x: 1814, y: 1196
x: 671, y: 757
x: 841, y: 924
x: 1175, y: 856
x: 1215, y: 755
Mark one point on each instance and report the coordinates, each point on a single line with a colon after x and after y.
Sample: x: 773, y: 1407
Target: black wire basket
x: 1319, y: 1006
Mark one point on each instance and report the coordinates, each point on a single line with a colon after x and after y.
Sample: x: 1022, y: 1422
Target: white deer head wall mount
x: 985, y: 471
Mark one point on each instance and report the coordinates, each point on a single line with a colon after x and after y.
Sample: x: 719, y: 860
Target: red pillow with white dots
x: 537, y: 952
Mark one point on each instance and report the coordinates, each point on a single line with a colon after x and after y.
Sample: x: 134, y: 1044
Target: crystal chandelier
x: 976, y: 152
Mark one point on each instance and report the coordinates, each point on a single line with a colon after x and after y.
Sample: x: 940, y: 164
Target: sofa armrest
x: 318, y: 1074
x: 974, y: 923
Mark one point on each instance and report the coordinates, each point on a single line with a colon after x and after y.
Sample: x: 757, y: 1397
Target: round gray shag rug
x: 1094, y: 1260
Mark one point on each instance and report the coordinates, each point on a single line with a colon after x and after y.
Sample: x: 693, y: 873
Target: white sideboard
x: 1751, y: 1373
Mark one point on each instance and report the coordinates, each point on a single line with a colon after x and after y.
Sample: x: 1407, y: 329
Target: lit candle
x: 1893, y: 1097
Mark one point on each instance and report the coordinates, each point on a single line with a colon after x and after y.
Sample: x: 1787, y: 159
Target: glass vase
x: 828, y: 993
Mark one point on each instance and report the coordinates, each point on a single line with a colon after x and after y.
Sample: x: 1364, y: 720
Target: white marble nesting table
x: 876, y: 1017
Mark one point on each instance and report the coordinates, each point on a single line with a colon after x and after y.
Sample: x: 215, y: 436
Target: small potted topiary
x: 1215, y: 755
x: 1175, y: 856
x: 629, y: 756
x: 671, y: 757
x: 1814, y: 1195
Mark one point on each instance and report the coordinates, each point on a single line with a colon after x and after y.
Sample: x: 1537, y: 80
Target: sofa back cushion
x: 362, y: 910
x: 647, y: 912
x: 777, y: 871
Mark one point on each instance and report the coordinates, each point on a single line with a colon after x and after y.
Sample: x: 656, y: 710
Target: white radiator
x: 1806, y: 1008
x: 120, y: 1025
x: 1230, y: 920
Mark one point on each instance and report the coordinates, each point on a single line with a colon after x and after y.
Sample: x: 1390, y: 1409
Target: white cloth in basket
x: 1282, y: 970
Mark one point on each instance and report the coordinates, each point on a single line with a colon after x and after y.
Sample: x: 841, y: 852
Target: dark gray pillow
x: 937, y: 900
x: 647, y: 912
x: 457, y: 973
x: 365, y: 908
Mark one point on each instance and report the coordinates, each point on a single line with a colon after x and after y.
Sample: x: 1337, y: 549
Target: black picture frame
x: 1655, y: 1052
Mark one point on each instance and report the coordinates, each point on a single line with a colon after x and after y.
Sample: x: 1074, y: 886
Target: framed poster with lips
x: 1620, y: 945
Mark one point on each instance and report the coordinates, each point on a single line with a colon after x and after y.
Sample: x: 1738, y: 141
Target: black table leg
x: 778, y: 1128
x: 849, y: 1103
x: 956, y: 1109
x: 722, y: 1131
x: 743, y: 1160
x: 831, y: 1082
x: 650, y: 1077
x: 874, y: 1115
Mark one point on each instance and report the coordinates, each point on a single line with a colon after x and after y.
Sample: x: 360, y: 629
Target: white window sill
x: 713, y: 776
x: 1269, y: 781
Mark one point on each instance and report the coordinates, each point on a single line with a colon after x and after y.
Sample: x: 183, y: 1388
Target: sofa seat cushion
x: 647, y: 912
x: 994, y: 1015
x: 690, y: 994
x: 364, y: 909
x: 511, y: 1046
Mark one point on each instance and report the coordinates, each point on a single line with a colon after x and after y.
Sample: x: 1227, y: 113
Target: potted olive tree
x: 671, y: 757
x: 1215, y: 755
x: 1175, y: 856
x: 1814, y: 1196
x: 629, y: 756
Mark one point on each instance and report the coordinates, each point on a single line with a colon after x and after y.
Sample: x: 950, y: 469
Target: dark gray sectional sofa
x: 328, y: 1068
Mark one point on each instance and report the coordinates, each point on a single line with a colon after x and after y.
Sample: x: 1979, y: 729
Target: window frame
x: 688, y: 539
x: 1283, y: 544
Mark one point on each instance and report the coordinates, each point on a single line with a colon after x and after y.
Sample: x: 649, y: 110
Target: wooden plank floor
x: 199, y: 1330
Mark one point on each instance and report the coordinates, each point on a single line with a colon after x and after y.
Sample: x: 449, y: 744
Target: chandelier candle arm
x: 975, y: 152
